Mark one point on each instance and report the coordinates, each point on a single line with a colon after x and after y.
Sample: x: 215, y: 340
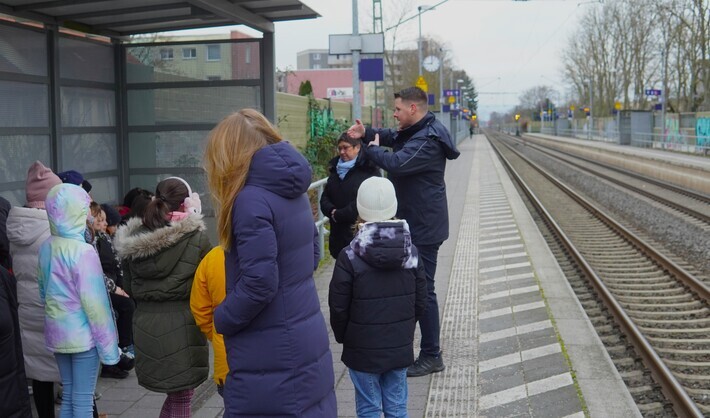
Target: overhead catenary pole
x: 419, y: 40
x: 591, y: 115
x: 357, y: 109
x: 441, y: 81
x: 664, y: 96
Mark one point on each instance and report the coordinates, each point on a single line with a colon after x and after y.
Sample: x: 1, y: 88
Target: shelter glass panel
x: 228, y: 61
x: 23, y: 105
x: 104, y: 189
x: 166, y: 149
x: 84, y: 60
x: 23, y: 51
x: 83, y: 106
x: 16, y: 197
x: 19, y: 152
x: 88, y: 153
x: 189, y: 105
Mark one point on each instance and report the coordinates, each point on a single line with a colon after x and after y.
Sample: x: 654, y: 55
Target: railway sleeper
x: 693, y: 304
x: 686, y: 322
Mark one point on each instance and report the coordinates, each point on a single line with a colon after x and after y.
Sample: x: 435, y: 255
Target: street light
x: 441, y: 81
x: 591, y: 115
x: 421, y: 10
x: 460, y: 101
x: 460, y: 98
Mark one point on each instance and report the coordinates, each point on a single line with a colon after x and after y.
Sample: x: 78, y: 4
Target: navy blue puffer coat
x: 416, y: 167
x: 275, y: 334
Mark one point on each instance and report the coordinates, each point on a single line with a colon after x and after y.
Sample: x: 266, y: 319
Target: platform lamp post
x: 460, y: 101
x: 591, y: 114
x: 421, y: 9
x: 441, y: 81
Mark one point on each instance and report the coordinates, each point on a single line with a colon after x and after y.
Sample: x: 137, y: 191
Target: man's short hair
x: 413, y: 94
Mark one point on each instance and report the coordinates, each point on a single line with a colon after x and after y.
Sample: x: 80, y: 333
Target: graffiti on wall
x: 322, y: 121
x: 702, y: 132
x: 672, y: 136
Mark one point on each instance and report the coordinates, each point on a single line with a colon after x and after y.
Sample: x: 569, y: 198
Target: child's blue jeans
x: 377, y: 393
x: 78, y: 372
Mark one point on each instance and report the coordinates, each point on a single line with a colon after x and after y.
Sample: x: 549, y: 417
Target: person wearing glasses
x: 338, y: 202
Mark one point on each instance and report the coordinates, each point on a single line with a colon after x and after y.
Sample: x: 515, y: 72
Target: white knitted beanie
x: 376, y: 200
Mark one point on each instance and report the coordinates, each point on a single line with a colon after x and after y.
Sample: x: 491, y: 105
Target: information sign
x: 421, y: 83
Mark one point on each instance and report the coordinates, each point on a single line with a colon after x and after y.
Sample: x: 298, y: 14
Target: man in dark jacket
x: 416, y: 165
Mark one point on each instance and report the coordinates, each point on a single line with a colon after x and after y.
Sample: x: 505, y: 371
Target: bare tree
x: 623, y: 48
x: 688, y: 39
x: 536, y: 100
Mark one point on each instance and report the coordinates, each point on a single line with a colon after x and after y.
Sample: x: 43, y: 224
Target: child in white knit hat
x: 377, y: 293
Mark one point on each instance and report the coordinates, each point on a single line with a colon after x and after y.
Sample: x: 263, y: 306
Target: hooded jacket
x: 27, y: 229
x: 275, y: 334
x: 14, y: 397
x: 78, y: 314
x: 208, y: 291
x: 377, y: 293
x: 342, y: 195
x: 416, y: 168
x: 158, y: 270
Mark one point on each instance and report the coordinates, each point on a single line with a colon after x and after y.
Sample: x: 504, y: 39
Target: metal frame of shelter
x: 100, y: 31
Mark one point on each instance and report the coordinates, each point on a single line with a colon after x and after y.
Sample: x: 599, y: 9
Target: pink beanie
x: 39, y: 180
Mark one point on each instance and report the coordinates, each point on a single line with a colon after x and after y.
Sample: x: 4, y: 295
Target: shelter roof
x: 120, y: 18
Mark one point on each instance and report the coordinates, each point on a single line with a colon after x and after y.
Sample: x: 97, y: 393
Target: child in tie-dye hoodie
x: 79, y: 324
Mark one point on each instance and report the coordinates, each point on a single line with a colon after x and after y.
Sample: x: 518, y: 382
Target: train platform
x: 685, y: 170
x: 515, y: 340
x: 667, y: 155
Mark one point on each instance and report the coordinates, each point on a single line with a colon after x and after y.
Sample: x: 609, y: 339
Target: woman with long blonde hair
x: 275, y: 334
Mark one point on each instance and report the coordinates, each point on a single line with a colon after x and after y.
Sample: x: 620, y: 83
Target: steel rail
x: 679, y: 273
x: 674, y: 391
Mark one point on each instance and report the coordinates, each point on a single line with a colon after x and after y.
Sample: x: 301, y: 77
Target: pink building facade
x: 327, y: 83
x: 245, y: 57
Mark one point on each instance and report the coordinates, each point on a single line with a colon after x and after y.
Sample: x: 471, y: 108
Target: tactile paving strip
x: 453, y: 391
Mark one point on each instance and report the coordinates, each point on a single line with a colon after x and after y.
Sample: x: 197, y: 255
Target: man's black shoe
x: 113, y: 372
x: 426, y: 365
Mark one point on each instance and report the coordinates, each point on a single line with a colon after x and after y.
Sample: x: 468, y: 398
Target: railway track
x: 661, y: 309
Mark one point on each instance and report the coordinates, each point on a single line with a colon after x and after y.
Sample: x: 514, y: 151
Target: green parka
x: 159, y: 267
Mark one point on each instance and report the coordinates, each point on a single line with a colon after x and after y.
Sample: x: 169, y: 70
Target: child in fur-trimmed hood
x: 377, y: 293
x: 160, y: 254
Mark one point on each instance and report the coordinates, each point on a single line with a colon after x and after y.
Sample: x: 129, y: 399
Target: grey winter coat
x: 27, y: 228
x: 158, y: 267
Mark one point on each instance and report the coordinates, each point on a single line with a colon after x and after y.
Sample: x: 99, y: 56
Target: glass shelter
x: 102, y: 88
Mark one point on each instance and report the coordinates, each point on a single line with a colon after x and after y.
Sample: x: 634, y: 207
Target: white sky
x: 506, y: 46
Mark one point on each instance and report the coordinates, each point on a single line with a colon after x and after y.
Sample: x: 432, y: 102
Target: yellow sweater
x: 208, y: 291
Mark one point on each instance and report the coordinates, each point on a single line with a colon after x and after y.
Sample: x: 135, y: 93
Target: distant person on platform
x: 415, y: 165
